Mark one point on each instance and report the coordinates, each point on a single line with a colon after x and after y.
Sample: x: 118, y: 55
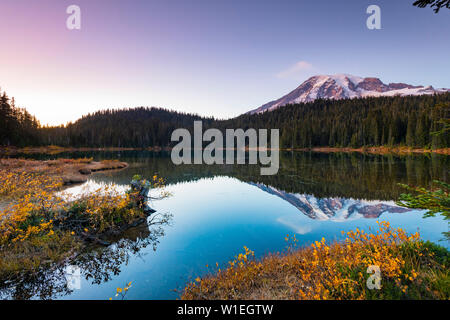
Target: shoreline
x: 42, y: 229
x: 332, y: 270
x: 382, y: 150
x: 70, y: 171
x: 377, y: 150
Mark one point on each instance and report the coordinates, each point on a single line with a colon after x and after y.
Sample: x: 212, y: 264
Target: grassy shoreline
x: 409, y: 267
x: 71, y: 171
x: 11, y: 150
x: 40, y: 225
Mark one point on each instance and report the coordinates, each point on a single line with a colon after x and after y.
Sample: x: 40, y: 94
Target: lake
x: 216, y: 210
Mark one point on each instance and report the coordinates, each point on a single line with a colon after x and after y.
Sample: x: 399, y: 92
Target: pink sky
x: 218, y: 58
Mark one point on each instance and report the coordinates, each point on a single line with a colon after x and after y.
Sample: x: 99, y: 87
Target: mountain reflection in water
x: 218, y: 209
x: 334, y: 208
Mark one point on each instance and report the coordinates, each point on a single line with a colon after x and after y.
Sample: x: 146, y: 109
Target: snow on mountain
x: 344, y: 86
x: 334, y: 209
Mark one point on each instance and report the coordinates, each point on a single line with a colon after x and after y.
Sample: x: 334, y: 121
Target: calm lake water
x: 216, y: 210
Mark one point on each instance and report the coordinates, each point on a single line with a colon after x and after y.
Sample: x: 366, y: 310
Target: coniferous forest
x: 17, y: 126
x: 383, y: 121
x: 392, y: 121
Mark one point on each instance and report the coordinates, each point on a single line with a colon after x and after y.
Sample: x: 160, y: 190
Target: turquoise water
x: 216, y: 210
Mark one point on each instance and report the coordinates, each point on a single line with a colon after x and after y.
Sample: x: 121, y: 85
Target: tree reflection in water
x: 97, y: 264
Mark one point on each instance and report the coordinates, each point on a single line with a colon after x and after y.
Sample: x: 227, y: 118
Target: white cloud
x: 299, y: 68
x: 294, y: 223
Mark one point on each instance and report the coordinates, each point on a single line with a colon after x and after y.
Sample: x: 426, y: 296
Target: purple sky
x: 212, y: 57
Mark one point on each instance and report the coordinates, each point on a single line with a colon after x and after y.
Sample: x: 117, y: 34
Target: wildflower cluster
x: 342, y: 268
x: 102, y: 210
x: 39, y: 224
x: 32, y: 202
x: 17, y: 184
x: 338, y: 270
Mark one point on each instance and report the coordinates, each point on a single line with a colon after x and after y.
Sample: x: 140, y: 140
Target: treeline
x: 382, y: 121
x: 410, y: 121
x: 17, y: 126
x: 136, y: 128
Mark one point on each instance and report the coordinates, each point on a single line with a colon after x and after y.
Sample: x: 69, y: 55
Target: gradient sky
x: 212, y: 57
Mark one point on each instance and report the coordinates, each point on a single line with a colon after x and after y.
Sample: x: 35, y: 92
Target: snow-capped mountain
x: 334, y: 209
x: 344, y: 86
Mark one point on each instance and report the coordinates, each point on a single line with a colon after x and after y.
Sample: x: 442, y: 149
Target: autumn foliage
x: 40, y: 223
x: 410, y: 268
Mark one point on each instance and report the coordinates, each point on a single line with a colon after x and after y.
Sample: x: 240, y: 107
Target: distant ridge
x: 344, y: 86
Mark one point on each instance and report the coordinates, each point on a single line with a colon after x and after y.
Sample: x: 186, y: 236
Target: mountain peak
x: 344, y: 86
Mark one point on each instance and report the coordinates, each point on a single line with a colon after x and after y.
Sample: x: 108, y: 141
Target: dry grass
x: 69, y: 170
x: 40, y: 226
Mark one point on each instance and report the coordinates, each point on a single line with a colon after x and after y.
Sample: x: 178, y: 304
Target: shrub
x: 410, y: 269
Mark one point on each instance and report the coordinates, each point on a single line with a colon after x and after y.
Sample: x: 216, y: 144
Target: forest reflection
x: 343, y: 175
x: 326, y: 179
x: 97, y: 264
